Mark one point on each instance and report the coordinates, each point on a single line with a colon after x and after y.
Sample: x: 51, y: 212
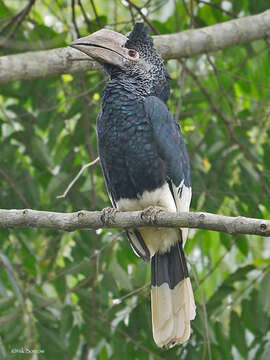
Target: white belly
x: 160, y: 197
x: 155, y: 239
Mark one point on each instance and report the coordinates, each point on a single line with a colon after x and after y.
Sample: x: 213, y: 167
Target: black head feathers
x: 149, y: 71
x: 139, y: 37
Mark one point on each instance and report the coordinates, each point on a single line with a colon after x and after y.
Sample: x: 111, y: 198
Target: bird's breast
x: 127, y: 149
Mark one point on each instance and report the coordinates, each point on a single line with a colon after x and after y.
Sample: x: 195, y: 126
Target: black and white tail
x: 172, y: 297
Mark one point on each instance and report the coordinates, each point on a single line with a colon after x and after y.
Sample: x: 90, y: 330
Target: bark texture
x: 188, y: 43
x: 97, y: 219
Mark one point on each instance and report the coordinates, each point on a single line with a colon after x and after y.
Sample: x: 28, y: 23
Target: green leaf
x: 51, y: 339
x: 264, y: 294
x: 3, y: 9
x: 57, y: 185
x: 74, y: 341
x: 237, y: 6
x: 239, y: 275
x: 242, y: 245
x: 226, y: 240
x: 247, y: 316
x: 120, y: 276
x: 28, y: 255
x: 260, y: 320
x: 266, y: 152
x: 7, y: 302
x: 2, y: 347
x: 60, y: 286
x: 10, y: 316
x: 218, y: 297
x: 237, y: 334
x: 266, y: 353
x: 15, y: 332
x: 201, y: 324
x: 66, y: 319
x: 258, y: 6
x: 103, y: 354
x: 41, y: 300
x: 41, y: 152
x: 46, y: 318
x: 12, y: 277
x: 223, y: 343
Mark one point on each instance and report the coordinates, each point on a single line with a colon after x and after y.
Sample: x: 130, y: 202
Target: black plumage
x: 145, y: 163
x: 132, y: 164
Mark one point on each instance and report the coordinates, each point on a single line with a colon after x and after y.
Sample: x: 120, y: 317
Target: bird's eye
x: 133, y: 54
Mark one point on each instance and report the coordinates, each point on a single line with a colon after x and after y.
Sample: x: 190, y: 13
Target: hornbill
x: 145, y: 164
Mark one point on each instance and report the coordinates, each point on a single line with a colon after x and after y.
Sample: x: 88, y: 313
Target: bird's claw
x: 151, y: 212
x: 108, y: 215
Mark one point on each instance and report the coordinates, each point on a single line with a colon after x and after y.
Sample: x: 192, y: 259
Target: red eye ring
x: 133, y: 53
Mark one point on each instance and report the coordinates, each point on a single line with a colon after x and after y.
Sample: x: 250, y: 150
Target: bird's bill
x: 105, y: 46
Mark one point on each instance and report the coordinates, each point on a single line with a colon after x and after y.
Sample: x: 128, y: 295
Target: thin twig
x: 14, y: 187
x: 96, y: 14
x: 86, y: 19
x: 21, y: 17
x: 181, y: 83
x: 190, y: 13
x: 74, y: 19
x: 252, y: 282
x: 77, y: 177
x: 248, y: 155
x: 205, y: 318
x: 213, y: 268
x: 129, y: 338
x: 139, y: 10
x: 214, y: 5
x: 135, y: 291
x: 85, y: 103
x: 11, y: 21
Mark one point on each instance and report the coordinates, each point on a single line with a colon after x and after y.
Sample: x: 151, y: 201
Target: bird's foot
x: 151, y: 212
x: 108, y: 215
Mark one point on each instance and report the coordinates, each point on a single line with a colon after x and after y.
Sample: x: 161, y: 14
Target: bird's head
x: 133, y: 58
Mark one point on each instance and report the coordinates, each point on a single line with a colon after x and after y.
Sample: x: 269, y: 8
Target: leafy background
x: 85, y: 295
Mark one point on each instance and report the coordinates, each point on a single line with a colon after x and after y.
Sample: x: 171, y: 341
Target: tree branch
x: 96, y: 220
x: 185, y: 44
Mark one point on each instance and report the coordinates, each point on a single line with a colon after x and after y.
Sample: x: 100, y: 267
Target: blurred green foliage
x: 85, y: 295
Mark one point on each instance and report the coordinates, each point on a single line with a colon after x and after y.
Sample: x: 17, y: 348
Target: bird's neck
x: 138, y: 84
x: 120, y: 85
